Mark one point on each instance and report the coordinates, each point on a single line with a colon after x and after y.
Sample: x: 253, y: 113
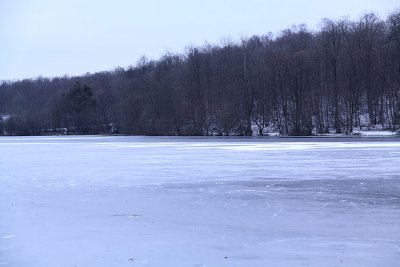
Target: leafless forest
x: 301, y: 82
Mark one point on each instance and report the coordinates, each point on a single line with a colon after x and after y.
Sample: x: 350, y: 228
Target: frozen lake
x: 150, y: 201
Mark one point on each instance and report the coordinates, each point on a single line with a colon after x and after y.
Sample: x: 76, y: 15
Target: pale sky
x: 57, y: 37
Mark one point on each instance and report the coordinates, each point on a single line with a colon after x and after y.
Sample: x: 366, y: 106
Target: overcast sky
x: 57, y: 37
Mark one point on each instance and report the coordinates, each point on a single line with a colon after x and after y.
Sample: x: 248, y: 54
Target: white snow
x: 375, y: 132
x: 152, y: 201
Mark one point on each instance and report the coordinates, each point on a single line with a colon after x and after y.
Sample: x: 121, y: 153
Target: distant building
x: 4, y: 117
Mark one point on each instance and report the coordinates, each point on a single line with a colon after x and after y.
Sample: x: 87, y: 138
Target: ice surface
x: 149, y: 201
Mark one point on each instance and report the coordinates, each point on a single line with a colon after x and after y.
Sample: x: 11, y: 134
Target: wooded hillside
x: 298, y: 83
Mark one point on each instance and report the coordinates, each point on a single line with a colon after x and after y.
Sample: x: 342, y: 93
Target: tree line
x: 301, y: 82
